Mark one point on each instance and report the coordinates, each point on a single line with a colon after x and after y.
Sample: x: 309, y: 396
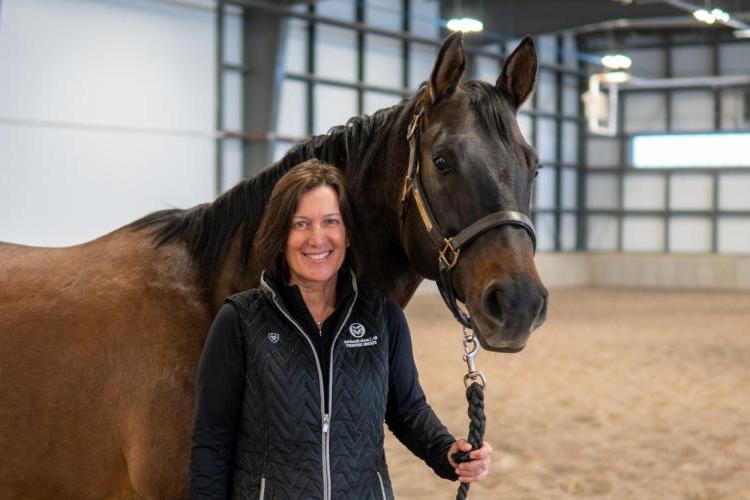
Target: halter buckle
x: 449, y: 255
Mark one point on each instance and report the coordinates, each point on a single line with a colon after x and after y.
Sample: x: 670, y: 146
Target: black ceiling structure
x: 515, y: 18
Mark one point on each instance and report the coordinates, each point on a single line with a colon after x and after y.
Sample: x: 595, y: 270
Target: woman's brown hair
x: 270, y: 240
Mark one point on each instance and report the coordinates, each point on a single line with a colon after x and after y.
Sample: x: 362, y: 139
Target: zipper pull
x: 326, y: 422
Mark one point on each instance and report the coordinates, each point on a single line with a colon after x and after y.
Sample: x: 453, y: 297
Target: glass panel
x: 692, y: 61
x: 691, y: 192
x: 545, y: 232
x: 327, y: 116
x: 734, y: 235
x: 692, y: 110
x: 601, y: 191
x: 643, y: 234
x: 602, y: 233
x: 644, y: 192
x: 734, y: 191
x: 295, y: 56
x: 545, y: 188
x: 645, y: 112
x: 335, y: 54
x: 602, y: 152
x: 568, y: 232
x: 383, y: 61
x: 691, y: 150
x: 690, y: 234
x: 292, y: 119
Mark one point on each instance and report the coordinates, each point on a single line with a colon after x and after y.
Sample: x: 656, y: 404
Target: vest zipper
x: 325, y: 417
x: 382, y: 485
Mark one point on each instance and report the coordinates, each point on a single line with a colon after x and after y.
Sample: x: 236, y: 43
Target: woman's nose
x: 316, y: 235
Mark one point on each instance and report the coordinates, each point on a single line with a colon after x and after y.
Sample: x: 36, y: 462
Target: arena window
x: 714, y: 150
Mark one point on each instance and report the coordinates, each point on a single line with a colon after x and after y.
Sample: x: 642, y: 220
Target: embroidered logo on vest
x: 357, y: 330
x: 273, y: 337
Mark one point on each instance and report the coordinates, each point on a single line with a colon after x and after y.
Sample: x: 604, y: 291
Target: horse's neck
x: 377, y: 197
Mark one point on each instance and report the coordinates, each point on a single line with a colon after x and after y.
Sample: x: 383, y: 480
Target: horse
x: 99, y: 342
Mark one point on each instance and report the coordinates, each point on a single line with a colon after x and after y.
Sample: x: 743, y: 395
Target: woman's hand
x: 477, y: 468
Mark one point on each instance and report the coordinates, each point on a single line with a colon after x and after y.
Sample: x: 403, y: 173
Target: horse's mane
x: 208, y: 229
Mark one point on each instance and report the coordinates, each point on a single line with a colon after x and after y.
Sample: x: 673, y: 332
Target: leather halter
x: 449, y: 248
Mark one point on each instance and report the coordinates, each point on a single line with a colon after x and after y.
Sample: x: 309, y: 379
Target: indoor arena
x: 525, y: 223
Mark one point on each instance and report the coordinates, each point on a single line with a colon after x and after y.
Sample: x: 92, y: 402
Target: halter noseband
x: 449, y: 247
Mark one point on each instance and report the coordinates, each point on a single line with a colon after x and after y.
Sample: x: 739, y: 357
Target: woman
x: 298, y: 375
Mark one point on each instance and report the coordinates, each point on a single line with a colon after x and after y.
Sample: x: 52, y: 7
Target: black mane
x: 208, y: 229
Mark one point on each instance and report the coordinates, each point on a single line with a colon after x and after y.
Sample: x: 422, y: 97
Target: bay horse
x: 99, y: 342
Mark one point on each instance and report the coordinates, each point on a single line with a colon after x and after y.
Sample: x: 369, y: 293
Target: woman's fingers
x: 477, y: 468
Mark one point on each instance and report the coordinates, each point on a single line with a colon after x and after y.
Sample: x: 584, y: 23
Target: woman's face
x: 316, y: 245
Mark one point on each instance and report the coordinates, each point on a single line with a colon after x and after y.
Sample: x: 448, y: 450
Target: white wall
x: 106, y: 114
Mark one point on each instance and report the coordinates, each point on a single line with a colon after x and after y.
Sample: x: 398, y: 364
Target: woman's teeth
x: 318, y: 256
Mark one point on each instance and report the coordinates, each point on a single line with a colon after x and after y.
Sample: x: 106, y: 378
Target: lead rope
x: 475, y: 397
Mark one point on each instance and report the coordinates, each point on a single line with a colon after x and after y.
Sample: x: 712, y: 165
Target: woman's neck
x: 320, y: 298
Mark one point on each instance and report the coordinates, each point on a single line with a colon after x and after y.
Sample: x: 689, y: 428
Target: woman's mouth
x: 317, y: 255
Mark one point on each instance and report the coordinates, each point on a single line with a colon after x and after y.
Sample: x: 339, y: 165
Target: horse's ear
x: 448, y: 70
x: 517, y: 79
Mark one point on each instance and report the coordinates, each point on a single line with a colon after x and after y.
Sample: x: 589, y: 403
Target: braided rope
x: 477, y: 422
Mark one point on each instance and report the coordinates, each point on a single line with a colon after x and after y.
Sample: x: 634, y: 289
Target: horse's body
x: 99, y: 342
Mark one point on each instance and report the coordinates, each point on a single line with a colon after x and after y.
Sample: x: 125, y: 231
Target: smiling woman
x: 285, y: 406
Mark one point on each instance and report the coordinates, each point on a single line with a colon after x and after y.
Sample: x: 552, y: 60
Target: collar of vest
x: 346, y: 285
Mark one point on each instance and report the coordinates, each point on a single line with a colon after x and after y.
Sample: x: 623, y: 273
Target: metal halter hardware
x: 449, y: 248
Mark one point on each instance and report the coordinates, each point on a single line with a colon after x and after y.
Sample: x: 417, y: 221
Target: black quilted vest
x: 288, y: 448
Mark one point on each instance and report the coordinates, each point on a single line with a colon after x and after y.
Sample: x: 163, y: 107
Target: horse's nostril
x: 493, y: 303
x: 515, y: 305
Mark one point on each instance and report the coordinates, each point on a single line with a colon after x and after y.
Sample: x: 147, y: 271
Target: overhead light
x: 704, y: 16
x: 616, y: 77
x: 742, y: 33
x: 616, y: 61
x: 720, y: 15
x: 465, y: 24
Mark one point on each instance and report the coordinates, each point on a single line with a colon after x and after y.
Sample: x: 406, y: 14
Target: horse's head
x: 476, y: 171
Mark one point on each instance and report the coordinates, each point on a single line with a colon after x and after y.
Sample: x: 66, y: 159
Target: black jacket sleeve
x: 219, y: 389
x: 408, y: 415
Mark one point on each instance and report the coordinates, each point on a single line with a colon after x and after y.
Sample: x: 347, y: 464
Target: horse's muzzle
x: 511, y: 310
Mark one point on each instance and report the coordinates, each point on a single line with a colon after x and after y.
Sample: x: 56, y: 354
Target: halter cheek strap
x: 449, y: 248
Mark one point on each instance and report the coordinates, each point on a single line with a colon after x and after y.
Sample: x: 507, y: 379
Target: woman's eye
x: 300, y: 224
x: 332, y: 222
x: 441, y: 164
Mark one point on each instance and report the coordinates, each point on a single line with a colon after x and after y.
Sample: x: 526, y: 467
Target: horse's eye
x: 441, y: 164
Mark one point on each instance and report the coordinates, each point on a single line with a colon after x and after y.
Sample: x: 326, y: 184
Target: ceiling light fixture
x: 720, y: 15
x: 465, y: 24
x: 616, y: 61
x: 704, y: 16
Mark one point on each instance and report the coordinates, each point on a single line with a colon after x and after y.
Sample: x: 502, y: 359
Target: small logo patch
x: 357, y: 330
x: 273, y: 337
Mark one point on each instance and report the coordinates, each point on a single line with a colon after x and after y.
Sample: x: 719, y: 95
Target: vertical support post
x: 311, y: 37
x: 405, y: 44
x: 582, y: 167
x: 263, y: 38
x: 623, y: 138
x: 558, y: 143
x: 360, y: 19
x: 219, y: 96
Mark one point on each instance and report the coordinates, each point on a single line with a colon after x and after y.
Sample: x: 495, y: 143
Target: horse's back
x: 92, y: 359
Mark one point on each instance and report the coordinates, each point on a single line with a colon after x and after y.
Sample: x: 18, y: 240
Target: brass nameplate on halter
x: 421, y: 207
